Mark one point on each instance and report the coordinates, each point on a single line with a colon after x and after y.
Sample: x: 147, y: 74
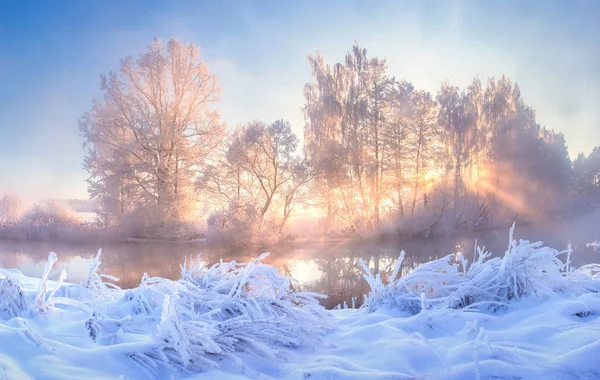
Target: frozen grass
x: 189, y: 325
x: 527, y: 270
x: 527, y: 314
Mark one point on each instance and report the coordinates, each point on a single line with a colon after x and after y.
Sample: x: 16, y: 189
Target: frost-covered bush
x: 254, y: 289
x: 50, y: 213
x: 237, y: 220
x: 42, y: 300
x: 595, y: 245
x: 135, y: 223
x: 95, y: 281
x: 15, y: 301
x: 141, y: 223
x: 221, y: 310
x: 237, y: 224
x: 192, y: 324
x: 12, y: 298
x: 173, y: 230
x: 11, y: 209
x: 49, y: 221
x: 526, y: 270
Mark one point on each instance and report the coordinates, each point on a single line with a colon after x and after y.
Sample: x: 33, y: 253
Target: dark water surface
x: 328, y: 268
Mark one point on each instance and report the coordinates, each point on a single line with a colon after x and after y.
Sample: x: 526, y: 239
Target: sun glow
x: 305, y: 271
x: 432, y: 177
x: 501, y: 185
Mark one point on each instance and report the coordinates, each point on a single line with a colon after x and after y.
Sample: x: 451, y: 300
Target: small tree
x: 257, y: 172
x: 265, y: 154
x: 302, y: 172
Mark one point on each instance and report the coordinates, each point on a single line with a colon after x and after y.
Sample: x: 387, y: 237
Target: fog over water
x: 330, y: 268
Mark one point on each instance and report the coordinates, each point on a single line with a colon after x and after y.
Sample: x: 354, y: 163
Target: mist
x: 315, y: 189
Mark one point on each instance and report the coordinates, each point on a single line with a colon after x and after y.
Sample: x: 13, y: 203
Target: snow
x: 527, y: 315
x: 595, y: 245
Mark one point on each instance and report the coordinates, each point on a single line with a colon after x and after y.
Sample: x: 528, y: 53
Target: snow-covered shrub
x: 12, y: 298
x: 11, y: 209
x: 181, y: 345
x: 94, y: 327
x: 224, y: 309
x: 256, y: 292
x: 595, y: 245
x: 235, y: 224
x: 141, y: 223
x: 526, y: 270
x: 15, y: 301
x: 50, y: 213
x: 41, y: 301
x: 173, y: 230
x: 135, y: 223
x: 95, y: 281
x: 48, y: 221
x: 191, y: 324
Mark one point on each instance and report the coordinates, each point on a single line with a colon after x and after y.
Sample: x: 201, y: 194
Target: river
x: 327, y: 268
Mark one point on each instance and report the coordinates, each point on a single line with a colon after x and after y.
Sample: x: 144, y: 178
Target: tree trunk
x: 417, y: 174
x: 377, y: 196
x: 457, y: 176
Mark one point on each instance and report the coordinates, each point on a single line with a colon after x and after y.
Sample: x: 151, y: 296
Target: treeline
x: 586, y: 175
x: 378, y: 156
x: 388, y: 152
x: 160, y: 158
x: 46, y: 220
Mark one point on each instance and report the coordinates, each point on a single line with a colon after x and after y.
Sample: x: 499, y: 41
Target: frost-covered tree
x: 474, y: 156
x: 151, y: 132
x: 456, y: 121
x: 586, y: 172
x: 397, y: 136
x: 224, y: 180
x: 11, y: 208
x: 423, y: 132
x: 295, y: 190
x: 347, y: 116
x: 265, y: 154
x: 323, y: 114
x: 258, y: 179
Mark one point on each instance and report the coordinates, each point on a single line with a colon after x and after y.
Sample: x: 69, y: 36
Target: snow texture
x: 525, y: 315
x: 527, y: 270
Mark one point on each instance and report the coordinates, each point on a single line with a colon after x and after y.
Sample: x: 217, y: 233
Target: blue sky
x: 52, y: 53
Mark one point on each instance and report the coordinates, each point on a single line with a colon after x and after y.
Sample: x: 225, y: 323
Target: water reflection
x: 331, y: 269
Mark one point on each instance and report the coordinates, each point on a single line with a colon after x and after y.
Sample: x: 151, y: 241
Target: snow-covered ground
x: 526, y: 315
